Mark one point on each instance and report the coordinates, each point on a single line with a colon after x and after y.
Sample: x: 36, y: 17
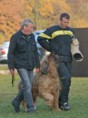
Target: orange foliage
x: 43, y: 12
x: 47, y: 9
x: 10, y: 16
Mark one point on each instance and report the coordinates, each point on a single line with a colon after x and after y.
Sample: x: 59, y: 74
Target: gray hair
x: 26, y: 22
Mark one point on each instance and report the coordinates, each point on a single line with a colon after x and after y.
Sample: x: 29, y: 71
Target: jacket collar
x: 21, y: 35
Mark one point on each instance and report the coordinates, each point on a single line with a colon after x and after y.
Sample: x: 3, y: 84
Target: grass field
x: 78, y: 101
x: 3, y: 67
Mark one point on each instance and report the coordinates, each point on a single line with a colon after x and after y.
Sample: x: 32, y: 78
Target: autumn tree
x: 44, y: 13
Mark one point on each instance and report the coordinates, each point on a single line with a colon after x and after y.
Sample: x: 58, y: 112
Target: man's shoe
x: 31, y: 110
x: 65, y: 106
x: 35, y: 108
x: 16, y: 107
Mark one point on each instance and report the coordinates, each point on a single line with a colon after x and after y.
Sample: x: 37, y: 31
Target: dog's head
x: 49, y: 61
x: 53, y: 57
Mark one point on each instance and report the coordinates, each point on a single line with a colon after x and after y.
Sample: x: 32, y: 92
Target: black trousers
x: 64, y: 71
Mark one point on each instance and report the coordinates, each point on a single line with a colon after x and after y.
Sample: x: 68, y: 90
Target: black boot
x: 65, y: 106
x: 17, y: 100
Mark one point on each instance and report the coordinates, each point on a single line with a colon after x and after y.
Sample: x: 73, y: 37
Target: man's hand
x: 12, y: 71
x: 37, y: 70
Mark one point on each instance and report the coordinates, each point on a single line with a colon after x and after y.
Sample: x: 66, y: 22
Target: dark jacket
x: 58, y: 40
x: 23, y: 52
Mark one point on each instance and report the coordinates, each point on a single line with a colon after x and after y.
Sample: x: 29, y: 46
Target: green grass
x: 3, y: 67
x: 78, y: 101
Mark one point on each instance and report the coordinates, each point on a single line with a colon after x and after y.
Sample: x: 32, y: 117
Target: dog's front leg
x: 55, y: 102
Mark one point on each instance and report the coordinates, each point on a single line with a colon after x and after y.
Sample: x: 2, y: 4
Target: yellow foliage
x: 47, y: 9
x: 44, y: 13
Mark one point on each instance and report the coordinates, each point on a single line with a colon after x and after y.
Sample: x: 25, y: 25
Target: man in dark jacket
x: 58, y: 39
x: 23, y: 56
